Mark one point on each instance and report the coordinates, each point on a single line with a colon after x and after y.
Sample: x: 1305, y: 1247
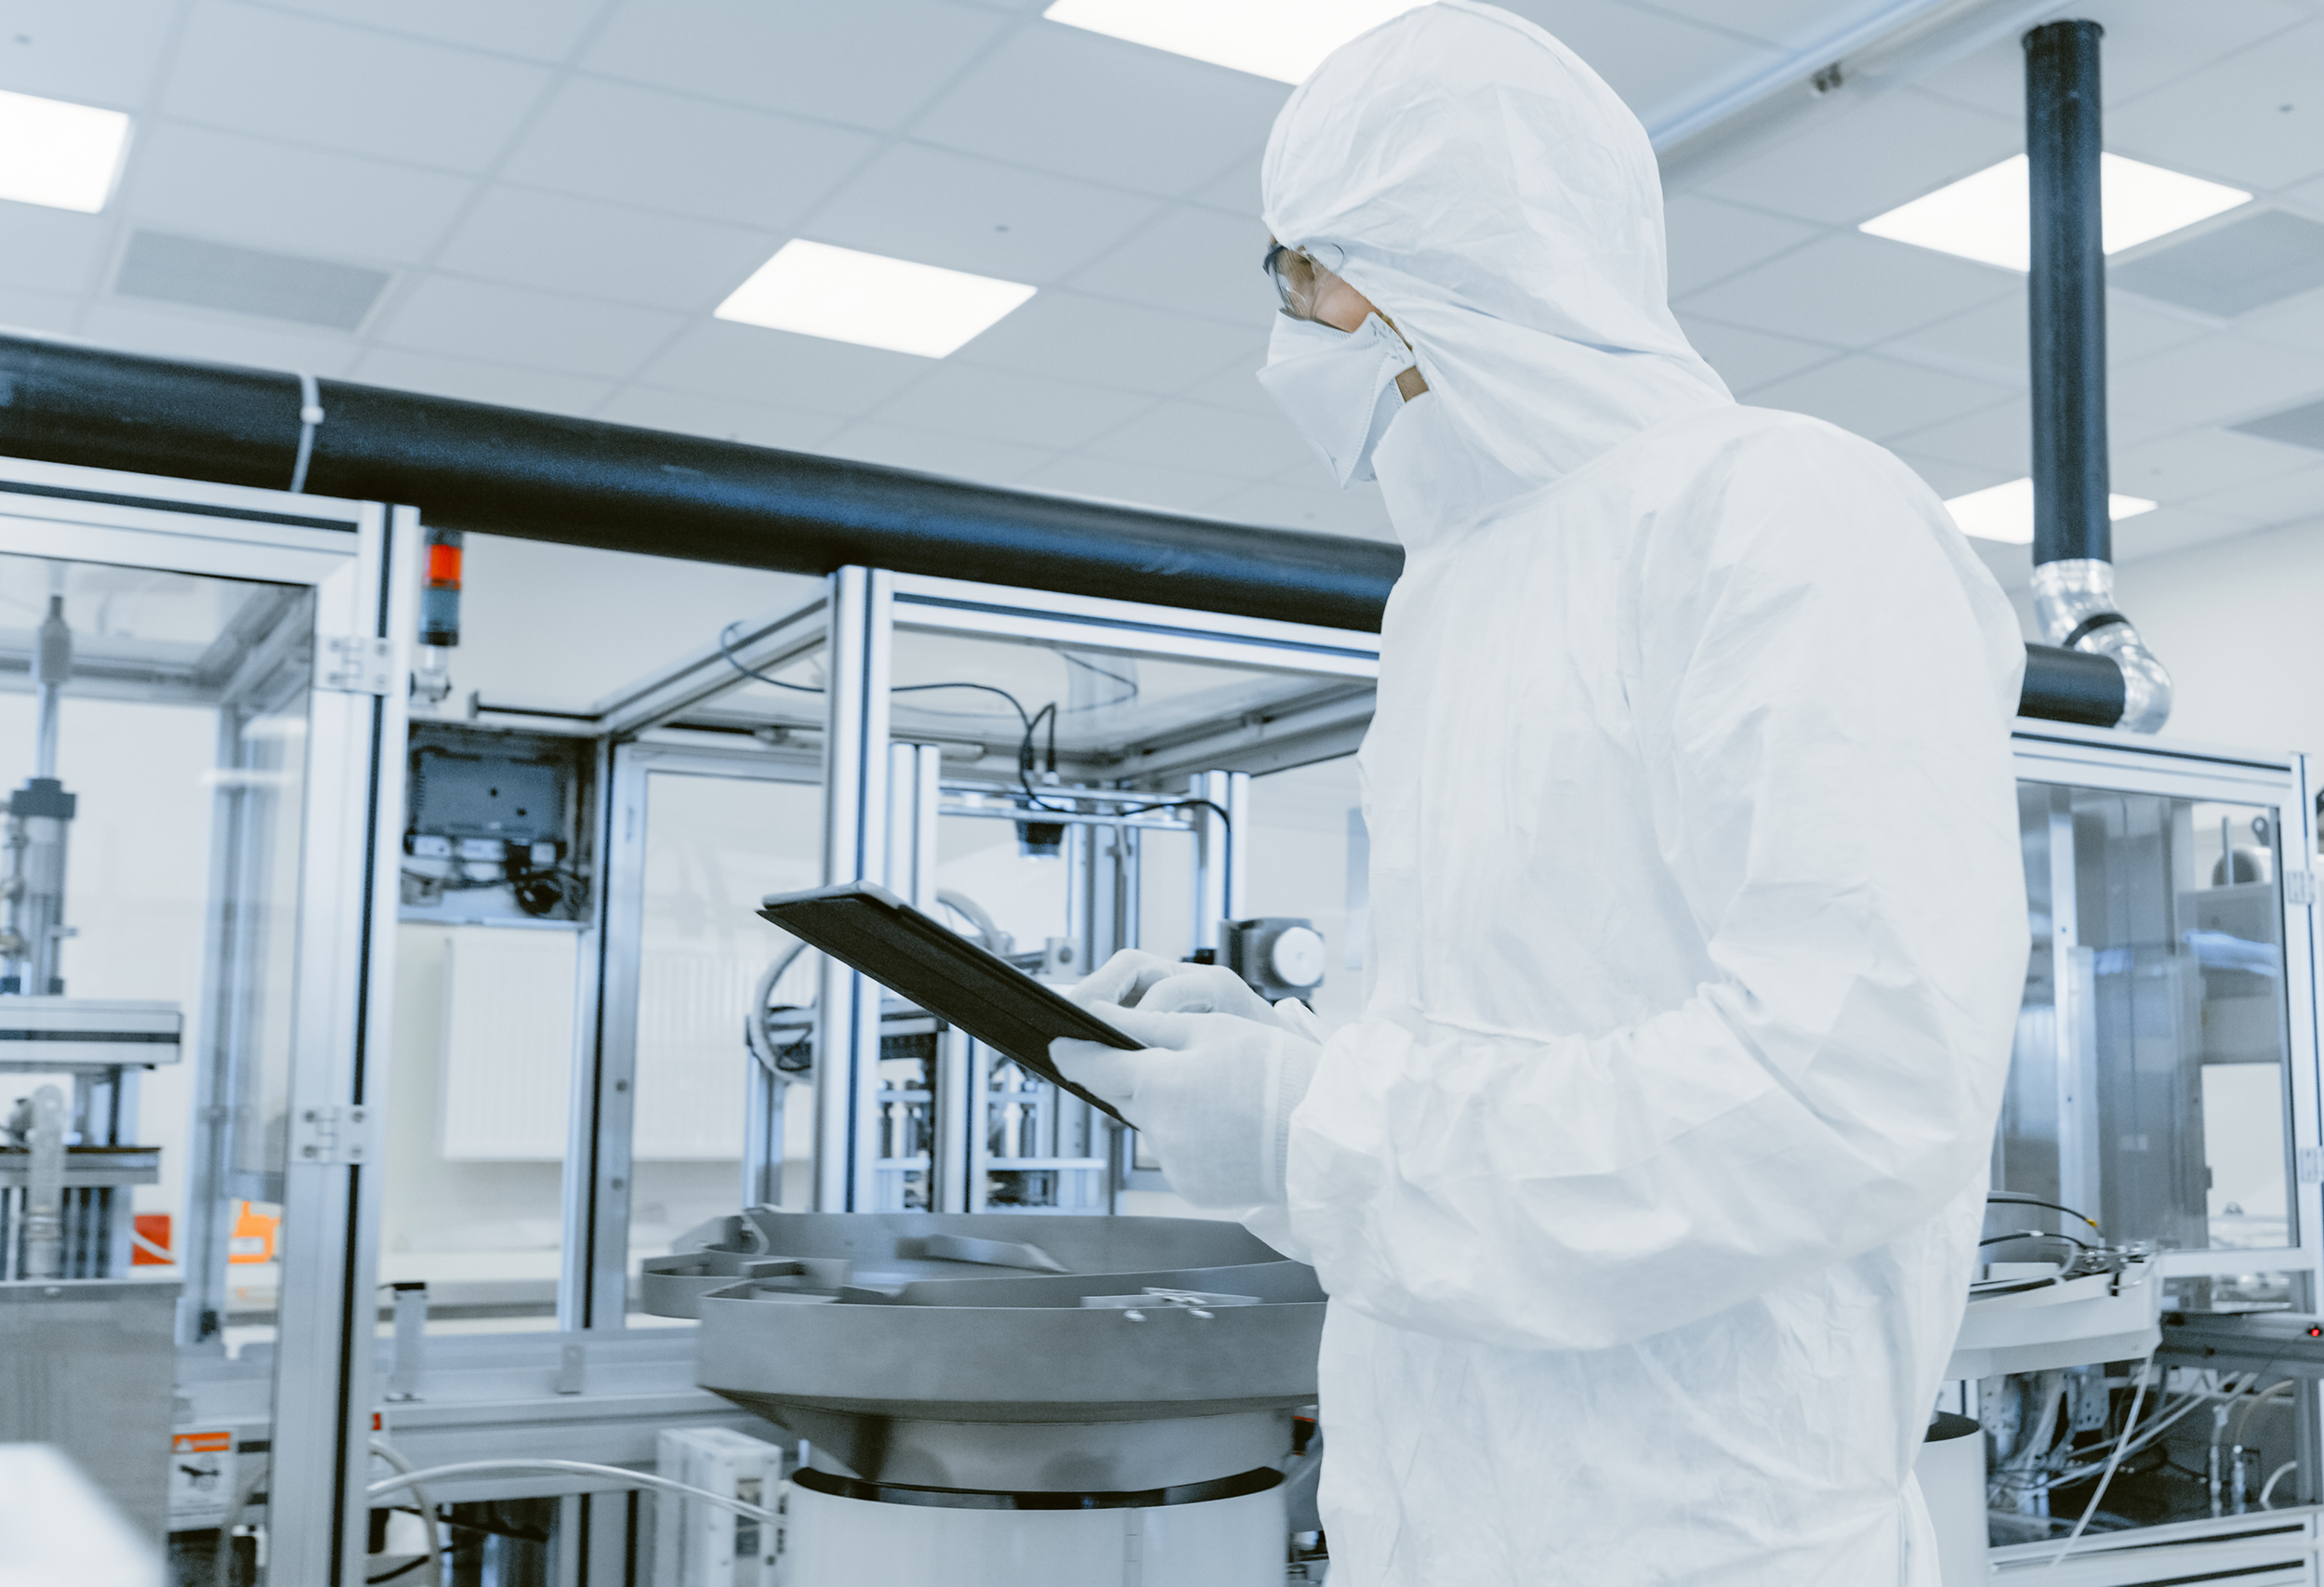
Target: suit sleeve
x: 1821, y: 681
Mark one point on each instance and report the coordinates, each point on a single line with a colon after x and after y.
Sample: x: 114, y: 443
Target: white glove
x: 1135, y: 979
x: 1212, y: 1092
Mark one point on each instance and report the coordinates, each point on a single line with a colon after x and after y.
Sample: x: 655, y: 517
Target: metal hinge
x: 2312, y: 1164
x: 2299, y: 887
x: 358, y: 664
x: 335, y: 1135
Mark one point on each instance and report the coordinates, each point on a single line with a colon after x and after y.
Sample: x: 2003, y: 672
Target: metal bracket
x: 2311, y: 1165
x: 336, y: 1136
x: 2299, y: 887
x: 357, y: 664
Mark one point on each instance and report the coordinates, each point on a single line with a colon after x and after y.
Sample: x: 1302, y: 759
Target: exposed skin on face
x: 1333, y: 302
x: 1341, y: 306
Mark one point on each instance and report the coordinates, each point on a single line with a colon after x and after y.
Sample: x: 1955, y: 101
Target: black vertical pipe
x: 2066, y: 300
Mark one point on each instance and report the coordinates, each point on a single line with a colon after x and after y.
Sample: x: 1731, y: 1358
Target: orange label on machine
x: 201, y: 1442
x: 253, y: 1239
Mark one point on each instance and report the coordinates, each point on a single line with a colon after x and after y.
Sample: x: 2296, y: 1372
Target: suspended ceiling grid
x: 559, y: 193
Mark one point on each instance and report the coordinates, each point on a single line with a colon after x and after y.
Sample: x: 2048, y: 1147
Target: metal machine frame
x: 358, y: 559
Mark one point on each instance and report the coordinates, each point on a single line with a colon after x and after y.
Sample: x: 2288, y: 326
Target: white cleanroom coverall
x: 1647, y: 1188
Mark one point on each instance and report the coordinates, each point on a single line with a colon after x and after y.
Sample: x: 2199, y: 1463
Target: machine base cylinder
x: 837, y: 1539
x: 1952, y: 1469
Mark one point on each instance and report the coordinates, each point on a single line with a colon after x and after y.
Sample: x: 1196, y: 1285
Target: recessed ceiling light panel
x: 2006, y: 512
x: 1283, y: 39
x: 817, y: 290
x: 59, y: 154
x: 1984, y: 217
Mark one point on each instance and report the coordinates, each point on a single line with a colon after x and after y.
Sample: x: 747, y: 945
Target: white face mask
x: 1338, y: 388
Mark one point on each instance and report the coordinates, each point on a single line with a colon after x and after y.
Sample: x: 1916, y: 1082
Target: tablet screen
x: 922, y: 959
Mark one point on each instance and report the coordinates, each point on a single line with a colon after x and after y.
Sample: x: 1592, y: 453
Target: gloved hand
x: 1135, y: 979
x: 1212, y: 1092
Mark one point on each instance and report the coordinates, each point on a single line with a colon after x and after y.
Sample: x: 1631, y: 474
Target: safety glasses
x: 1298, y: 276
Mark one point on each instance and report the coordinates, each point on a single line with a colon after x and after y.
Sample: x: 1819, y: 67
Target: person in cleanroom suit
x: 1647, y: 1186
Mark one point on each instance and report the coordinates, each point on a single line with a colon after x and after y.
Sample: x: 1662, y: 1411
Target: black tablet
x: 925, y: 960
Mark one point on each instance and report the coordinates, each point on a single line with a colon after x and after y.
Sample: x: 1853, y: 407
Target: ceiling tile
x: 644, y: 147
x: 213, y: 337
x: 1792, y: 22
x: 481, y: 319
x: 1236, y: 387
x: 47, y: 312
x: 2256, y: 119
x: 2260, y: 256
x: 473, y: 381
x: 91, y: 55
x: 718, y: 359
x: 995, y: 405
x: 2280, y: 500
x: 1746, y: 360
x: 2308, y: 198
x: 1851, y: 289
x: 1879, y: 397
x: 1069, y: 335
x: 53, y: 250
x: 928, y: 452
x: 1858, y: 161
x: 2198, y: 462
x: 720, y: 418
x: 1064, y: 99
x: 265, y: 195
x: 545, y: 29
x: 1947, y: 478
x: 2223, y: 377
x: 1195, y: 260
x: 1358, y: 511
x: 2172, y: 529
x: 2297, y: 323
x: 1222, y: 440
x: 1658, y: 64
x: 943, y: 208
x: 2146, y: 46
x: 1237, y: 190
x: 1997, y: 440
x: 1710, y: 240
x: 575, y: 245
x: 870, y: 62
x: 350, y: 88
x: 1110, y: 478
x: 1990, y: 341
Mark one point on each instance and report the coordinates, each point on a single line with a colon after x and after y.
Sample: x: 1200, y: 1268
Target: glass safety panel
x: 2150, y: 1085
x: 714, y: 847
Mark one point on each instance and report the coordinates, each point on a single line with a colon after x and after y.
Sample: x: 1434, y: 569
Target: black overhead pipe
x: 579, y: 481
x: 2073, y: 548
x: 2066, y: 295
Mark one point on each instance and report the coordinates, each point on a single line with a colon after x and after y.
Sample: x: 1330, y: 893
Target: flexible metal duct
x: 580, y: 481
x: 2073, y: 580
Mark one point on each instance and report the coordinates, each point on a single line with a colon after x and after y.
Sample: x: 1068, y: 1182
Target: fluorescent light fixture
x: 1283, y: 39
x: 818, y: 290
x: 2006, y: 512
x: 58, y: 154
x: 1983, y: 218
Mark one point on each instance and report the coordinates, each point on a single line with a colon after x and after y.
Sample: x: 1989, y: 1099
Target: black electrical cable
x: 1024, y: 748
x: 2019, y: 1198
x: 2037, y: 1235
